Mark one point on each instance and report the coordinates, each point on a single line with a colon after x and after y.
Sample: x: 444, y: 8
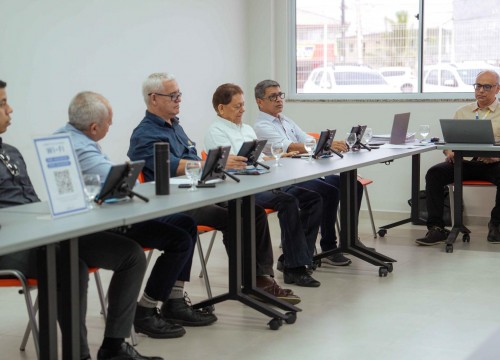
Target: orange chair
x: 451, y: 187
x: 14, y: 278
x: 365, y: 182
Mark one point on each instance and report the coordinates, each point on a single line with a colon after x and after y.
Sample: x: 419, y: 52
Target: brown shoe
x: 269, y: 285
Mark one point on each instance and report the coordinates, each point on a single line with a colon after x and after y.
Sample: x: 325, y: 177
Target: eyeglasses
x: 13, y: 169
x: 275, y: 97
x: 173, y: 96
x: 486, y: 87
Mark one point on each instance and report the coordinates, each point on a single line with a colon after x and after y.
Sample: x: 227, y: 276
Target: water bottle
x: 162, y: 168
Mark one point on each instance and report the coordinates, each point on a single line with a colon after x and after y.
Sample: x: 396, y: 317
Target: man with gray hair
x: 161, y: 124
x: 90, y: 116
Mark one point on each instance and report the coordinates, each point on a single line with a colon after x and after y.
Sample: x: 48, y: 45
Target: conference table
x: 30, y: 226
x: 461, y: 151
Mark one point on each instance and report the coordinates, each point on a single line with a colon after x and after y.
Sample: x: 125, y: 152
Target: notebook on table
x: 467, y: 131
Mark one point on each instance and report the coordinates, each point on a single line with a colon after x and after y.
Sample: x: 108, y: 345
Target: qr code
x: 63, y: 182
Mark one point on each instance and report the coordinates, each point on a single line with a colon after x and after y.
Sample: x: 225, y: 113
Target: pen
x: 477, y: 115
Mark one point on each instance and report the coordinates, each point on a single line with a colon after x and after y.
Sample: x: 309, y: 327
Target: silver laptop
x: 467, y: 131
x: 399, y: 128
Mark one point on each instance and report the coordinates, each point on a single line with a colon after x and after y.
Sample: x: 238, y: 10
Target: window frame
x: 365, y: 97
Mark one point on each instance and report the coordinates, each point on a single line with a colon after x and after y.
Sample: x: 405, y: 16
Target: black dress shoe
x: 299, y: 277
x: 493, y: 233
x: 126, y: 352
x: 148, y: 321
x: 180, y: 311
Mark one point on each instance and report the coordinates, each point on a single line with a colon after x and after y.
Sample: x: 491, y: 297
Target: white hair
x: 154, y: 84
x: 87, y: 107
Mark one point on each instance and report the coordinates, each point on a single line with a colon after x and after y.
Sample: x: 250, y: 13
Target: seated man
x: 486, y: 106
x: 161, y: 124
x: 104, y: 250
x: 90, y: 116
x: 299, y: 228
x: 273, y: 126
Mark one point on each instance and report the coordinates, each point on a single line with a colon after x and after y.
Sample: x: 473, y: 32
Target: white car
x: 401, y: 77
x: 346, y: 79
x: 453, y: 77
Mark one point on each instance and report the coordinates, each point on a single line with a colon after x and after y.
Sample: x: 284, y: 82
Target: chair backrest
x: 314, y: 135
x: 203, y: 155
x: 140, y: 178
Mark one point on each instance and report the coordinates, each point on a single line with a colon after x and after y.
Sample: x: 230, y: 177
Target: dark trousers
x: 329, y: 189
x: 299, y: 214
x: 442, y: 174
x: 175, y: 236
x: 216, y: 216
x: 104, y: 250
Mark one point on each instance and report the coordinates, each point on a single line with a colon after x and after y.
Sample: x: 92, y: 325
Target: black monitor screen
x: 215, y: 162
x: 252, y: 150
x: 120, y: 178
x: 324, y: 146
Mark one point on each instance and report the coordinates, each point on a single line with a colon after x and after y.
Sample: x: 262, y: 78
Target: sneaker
x: 299, y: 277
x: 493, y: 233
x: 337, y: 259
x: 180, y: 311
x: 270, y: 286
x: 435, y: 235
x: 148, y: 321
x: 126, y: 352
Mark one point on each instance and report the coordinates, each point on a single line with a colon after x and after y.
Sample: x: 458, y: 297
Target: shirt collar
x: 159, y: 121
x: 266, y: 116
x: 228, y: 123
x: 492, y: 107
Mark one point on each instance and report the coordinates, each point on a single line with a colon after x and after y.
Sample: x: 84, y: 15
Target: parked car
x: 346, y: 79
x: 453, y: 77
x: 401, y: 77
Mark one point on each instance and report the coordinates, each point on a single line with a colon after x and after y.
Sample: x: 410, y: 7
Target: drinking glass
x: 351, y: 140
x: 193, y: 173
x: 277, y: 149
x: 92, y: 183
x: 367, y: 136
x: 310, y: 145
x: 423, y: 130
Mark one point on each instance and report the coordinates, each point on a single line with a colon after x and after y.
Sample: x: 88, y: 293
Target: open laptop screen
x: 467, y: 131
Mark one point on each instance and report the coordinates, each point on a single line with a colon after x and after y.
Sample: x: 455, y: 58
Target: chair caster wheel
x: 389, y: 267
x: 382, y: 232
x: 292, y: 317
x: 275, y: 323
x: 382, y: 271
x: 466, y: 238
x: 449, y: 248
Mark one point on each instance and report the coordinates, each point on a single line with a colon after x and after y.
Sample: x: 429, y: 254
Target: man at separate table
x: 90, y: 116
x: 299, y: 210
x: 274, y: 126
x: 103, y: 250
x: 162, y: 97
x: 486, y: 106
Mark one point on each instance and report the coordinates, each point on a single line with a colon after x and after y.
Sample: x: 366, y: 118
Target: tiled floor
x: 433, y: 306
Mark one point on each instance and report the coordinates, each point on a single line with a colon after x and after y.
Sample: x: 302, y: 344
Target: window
x: 380, y: 46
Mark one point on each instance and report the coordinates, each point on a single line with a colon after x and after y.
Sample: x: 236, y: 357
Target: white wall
x: 53, y: 49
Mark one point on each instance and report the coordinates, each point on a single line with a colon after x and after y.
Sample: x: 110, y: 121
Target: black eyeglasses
x: 173, y: 96
x: 275, y: 97
x: 486, y: 87
x: 13, y: 169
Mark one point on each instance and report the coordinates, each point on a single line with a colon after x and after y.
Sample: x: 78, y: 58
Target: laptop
x: 399, y: 128
x: 467, y: 131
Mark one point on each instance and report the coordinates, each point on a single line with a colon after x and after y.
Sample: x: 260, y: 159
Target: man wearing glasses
x: 161, y: 124
x: 486, y: 106
x: 273, y: 126
x: 103, y: 250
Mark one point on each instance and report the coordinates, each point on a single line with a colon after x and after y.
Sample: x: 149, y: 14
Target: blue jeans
x: 174, y: 235
x: 329, y: 189
x: 299, y: 213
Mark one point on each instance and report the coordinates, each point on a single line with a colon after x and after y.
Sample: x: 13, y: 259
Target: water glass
x: 193, y: 173
x: 351, y: 140
x: 277, y: 149
x: 310, y: 146
x: 423, y: 130
x: 92, y: 183
x: 367, y: 136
